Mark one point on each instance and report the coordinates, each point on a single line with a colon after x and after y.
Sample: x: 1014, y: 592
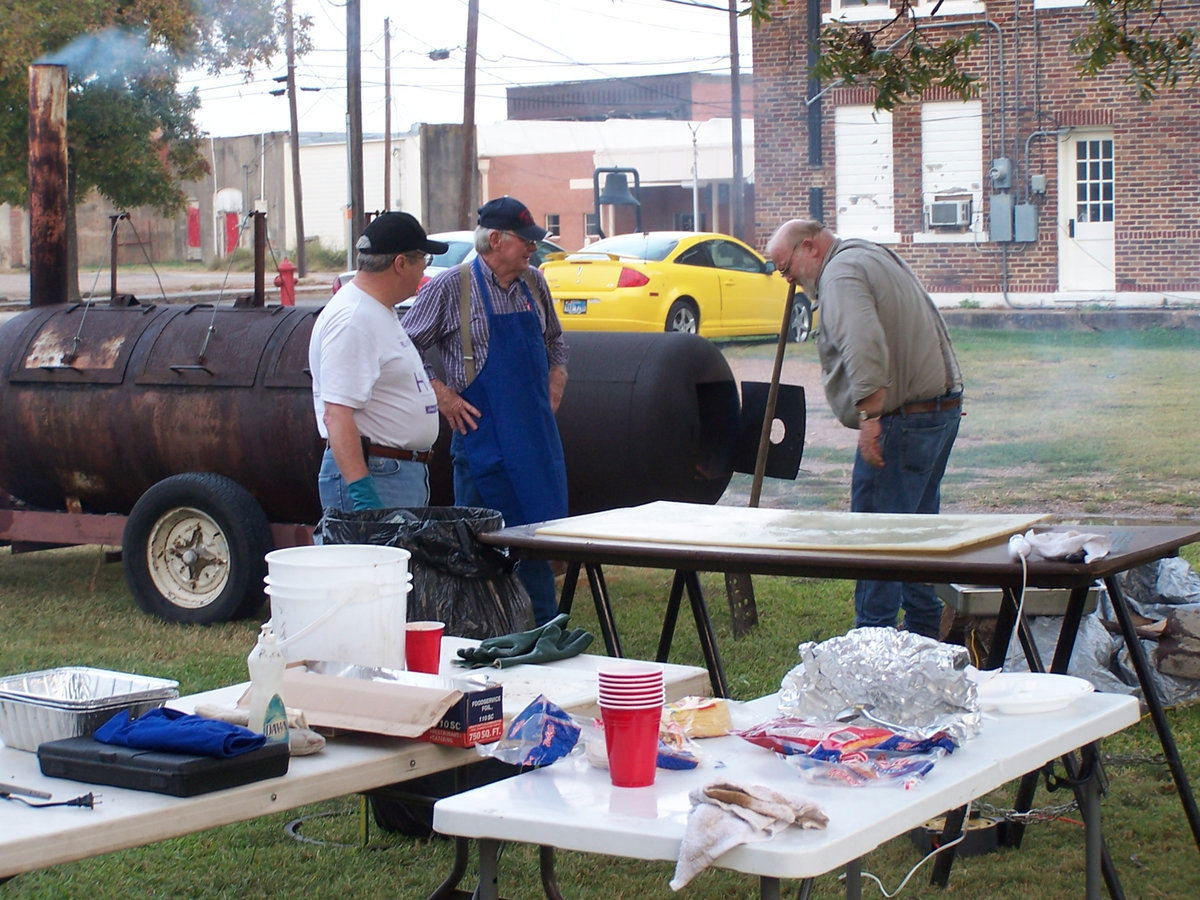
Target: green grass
x: 1046, y: 427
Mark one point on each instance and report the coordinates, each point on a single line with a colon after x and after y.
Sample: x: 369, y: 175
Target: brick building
x: 1048, y: 189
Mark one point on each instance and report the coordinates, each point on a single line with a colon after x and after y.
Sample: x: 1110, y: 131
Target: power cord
x: 928, y: 856
x: 86, y: 801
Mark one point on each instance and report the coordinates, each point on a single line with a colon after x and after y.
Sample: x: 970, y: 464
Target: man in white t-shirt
x: 372, y: 398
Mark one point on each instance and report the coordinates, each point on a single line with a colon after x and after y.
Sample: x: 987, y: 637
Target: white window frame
x: 864, y: 175
x: 857, y: 11
x: 952, y: 163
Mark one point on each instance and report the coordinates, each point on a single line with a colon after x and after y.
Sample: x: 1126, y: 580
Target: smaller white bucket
x: 340, y: 602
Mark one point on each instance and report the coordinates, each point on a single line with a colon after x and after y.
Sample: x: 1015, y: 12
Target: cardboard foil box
x: 453, y: 711
x: 477, y: 718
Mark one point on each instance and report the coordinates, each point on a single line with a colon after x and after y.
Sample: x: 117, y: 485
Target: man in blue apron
x: 504, y: 379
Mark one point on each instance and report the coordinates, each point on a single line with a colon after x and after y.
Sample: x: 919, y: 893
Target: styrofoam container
x: 72, y: 701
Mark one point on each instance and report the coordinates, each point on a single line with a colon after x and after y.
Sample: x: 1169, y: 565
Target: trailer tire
x: 194, y: 548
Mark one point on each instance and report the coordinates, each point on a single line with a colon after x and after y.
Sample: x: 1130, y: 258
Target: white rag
x: 1061, y: 544
x: 725, y: 815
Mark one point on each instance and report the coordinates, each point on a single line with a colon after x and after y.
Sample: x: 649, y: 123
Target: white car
x: 462, y: 250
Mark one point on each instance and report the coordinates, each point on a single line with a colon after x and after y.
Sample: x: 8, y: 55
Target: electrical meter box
x: 1025, y: 224
x: 1000, y: 217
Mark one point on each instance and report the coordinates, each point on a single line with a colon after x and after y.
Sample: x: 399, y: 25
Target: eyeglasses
x: 786, y: 269
x: 423, y: 259
x: 532, y: 245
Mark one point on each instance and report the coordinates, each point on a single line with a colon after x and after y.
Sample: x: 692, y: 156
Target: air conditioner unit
x: 948, y: 213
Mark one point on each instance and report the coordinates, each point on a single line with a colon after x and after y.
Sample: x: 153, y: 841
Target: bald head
x: 798, y: 248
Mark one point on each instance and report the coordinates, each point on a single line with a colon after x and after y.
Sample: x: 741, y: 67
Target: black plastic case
x: 178, y: 774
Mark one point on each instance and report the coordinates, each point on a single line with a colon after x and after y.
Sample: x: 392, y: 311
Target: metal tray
x: 983, y: 600
x: 82, y: 687
x: 72, y: 701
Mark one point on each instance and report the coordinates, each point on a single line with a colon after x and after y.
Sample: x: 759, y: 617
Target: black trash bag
x: 457, y: 580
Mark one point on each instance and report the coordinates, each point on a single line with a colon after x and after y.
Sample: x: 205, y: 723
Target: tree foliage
x: 1140, y: 34
x: 131, y: 134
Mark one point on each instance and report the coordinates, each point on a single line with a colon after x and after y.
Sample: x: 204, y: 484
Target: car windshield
x: 456, y: 254
x: 641, y: 246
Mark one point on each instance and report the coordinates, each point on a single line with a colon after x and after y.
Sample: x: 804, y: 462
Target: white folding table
x: 572, y: 806
x: 36, y: 838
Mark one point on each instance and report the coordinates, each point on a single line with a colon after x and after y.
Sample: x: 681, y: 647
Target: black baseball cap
x: 397, y: 232
x: 510, y: 214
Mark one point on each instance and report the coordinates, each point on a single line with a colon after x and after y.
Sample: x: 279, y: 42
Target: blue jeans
x: 915, y: 450
x: 400, y: 483
x: 535, y: 574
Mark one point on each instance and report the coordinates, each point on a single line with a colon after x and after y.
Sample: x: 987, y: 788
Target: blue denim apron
x: 515, y: 455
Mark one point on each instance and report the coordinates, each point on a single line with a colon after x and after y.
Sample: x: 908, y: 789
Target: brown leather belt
x: 928, y: 406
x: 370, y: 449
x: 399, y: 453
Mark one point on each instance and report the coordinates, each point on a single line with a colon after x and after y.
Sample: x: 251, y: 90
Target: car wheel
x: 683, y: 316
x: 801, y: 326
x: 194, y: 548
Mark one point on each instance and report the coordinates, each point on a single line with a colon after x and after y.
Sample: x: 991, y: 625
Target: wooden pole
x: 467, y: 187
x: 297, y: 193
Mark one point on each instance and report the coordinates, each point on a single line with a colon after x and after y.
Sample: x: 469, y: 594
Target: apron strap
x: 464, y: 321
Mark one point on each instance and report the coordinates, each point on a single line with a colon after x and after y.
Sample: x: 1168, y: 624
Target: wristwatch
x: 863, y: 415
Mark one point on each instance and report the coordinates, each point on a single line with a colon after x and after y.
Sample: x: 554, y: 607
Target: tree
x: 131, y: 134
x: 902, y: 63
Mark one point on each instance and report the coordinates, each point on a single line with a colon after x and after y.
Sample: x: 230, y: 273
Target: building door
x: 231, y: 232
x: 1086, y: 241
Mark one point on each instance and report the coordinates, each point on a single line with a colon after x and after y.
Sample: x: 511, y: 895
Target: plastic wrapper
x: 913, y: 682
x: 538, y: 735
x: 835, y: 753
x: 455, y: 579
x: 699, y: 717
x: 675, y: 749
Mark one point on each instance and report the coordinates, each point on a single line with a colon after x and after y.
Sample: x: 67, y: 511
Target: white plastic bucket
x: 340, y: 602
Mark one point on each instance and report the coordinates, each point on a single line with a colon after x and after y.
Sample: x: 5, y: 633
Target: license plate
x: 574, y: 307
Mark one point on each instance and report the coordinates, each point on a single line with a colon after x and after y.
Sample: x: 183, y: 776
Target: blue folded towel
x: 172, y: 731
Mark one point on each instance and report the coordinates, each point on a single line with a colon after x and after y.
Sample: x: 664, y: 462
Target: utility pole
x: 387, y: 113
x: 737, y: 197
x: 297, y: 194
x: 354, y: 134
x: 468, y: 137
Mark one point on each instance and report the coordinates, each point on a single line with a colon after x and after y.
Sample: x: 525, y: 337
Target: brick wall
x: 1156, y: 152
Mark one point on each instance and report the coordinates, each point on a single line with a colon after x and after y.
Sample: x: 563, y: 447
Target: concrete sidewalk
x: 147, y: 286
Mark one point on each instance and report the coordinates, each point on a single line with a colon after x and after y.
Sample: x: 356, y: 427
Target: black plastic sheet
x: 456, y: 579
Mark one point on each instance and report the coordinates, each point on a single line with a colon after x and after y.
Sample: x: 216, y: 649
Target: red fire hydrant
x: 286, y: 282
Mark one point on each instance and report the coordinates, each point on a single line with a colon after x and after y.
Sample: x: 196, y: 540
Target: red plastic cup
x: 423, y: 646
x: 631, y: 738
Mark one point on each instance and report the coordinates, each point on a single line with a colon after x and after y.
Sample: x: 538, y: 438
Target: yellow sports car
x: 698, y: 282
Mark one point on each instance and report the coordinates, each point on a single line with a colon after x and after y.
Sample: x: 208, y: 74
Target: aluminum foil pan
x: 72, y: 701
x: 914, y: 682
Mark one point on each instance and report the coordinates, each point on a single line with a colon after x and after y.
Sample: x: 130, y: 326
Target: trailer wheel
x: 194, y: 548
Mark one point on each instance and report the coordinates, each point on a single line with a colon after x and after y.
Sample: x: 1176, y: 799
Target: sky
x: 521, y: 42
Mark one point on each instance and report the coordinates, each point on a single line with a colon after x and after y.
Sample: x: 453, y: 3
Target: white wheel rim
x: 187, y: 557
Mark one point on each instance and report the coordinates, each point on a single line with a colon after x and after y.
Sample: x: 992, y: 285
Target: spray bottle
x: 266, y: 663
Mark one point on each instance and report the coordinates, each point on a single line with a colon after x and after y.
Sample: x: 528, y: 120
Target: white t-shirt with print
x: 360, y: 357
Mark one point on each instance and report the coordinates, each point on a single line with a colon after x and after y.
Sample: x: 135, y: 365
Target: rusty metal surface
x: 48, y: 271
x: 100, y: 430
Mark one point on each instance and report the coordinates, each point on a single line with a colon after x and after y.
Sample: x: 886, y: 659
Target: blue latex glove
x: 363, y: 494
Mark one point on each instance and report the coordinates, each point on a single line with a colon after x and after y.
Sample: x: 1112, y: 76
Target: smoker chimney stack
x: 48, y: 268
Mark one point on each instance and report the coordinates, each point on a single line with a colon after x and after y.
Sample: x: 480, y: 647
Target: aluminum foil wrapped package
x: 883, y: 676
